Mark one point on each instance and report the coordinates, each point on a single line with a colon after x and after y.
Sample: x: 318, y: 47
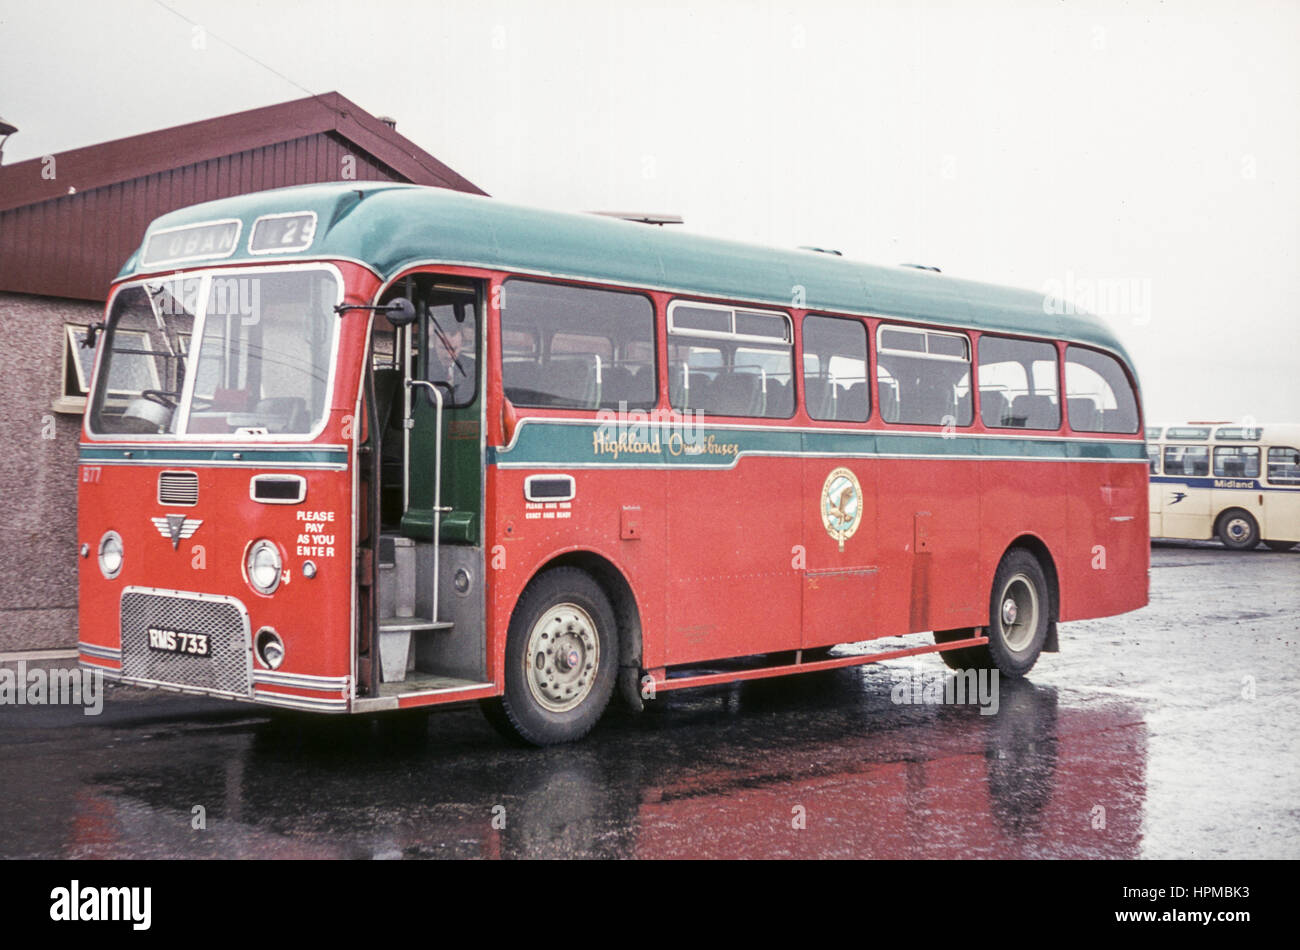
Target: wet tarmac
x: 1165, y: 733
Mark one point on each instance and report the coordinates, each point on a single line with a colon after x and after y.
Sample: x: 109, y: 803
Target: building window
x: 78, y: 361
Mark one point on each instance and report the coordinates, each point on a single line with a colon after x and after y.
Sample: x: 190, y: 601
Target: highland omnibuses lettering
x: 103, y: 903
x: 639, y: 433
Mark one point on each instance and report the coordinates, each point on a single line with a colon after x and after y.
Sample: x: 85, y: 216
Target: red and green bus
x: 365, y: 447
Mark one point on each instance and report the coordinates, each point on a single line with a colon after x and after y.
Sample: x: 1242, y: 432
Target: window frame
x: 678, y: 302
x: 1129, y: 381
x: 802, y: 366
x: 737, y: 340
x: 1184, y: 447
x: 543, y: 342
x: 1267, y: 471
x: 1239, y: 450
x: 1058, y: 363
x: 886, y: 323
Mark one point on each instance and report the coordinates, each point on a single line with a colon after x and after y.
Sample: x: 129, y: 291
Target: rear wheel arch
x: 1035, y: 546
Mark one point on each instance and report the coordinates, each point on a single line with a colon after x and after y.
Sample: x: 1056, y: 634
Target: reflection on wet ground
x: 1101, y: 755
x: 825, y: 765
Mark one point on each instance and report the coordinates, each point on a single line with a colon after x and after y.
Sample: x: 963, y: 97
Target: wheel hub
x: 1009, y: 611
x: 1020, y: 608
x: 565, y: 652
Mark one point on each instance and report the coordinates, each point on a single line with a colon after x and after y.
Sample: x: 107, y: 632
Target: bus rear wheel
x: 1018, y: 613
x: 1237, y: 529
x: 1019, y: 605
x: 561, y: 659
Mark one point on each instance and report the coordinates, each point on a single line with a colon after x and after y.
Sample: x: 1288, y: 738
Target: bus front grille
x: 151, y: 619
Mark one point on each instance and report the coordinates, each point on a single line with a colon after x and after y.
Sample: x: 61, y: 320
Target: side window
x: 923, y: 376
x: 1283, y: 465
x: 1153, y: 458
x: 835, y: 369
x: 1018, y: 388
x: 730, y: 361
x: 1187, y: 460
x: 1098, y: 396
x: 1236, y: 461
x: 569, y: 347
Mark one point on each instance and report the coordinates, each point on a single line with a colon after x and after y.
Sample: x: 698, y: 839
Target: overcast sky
x: 1142, y: 158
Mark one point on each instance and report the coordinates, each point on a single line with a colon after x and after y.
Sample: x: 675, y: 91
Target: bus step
x: 411, y: 625
x: 395, y: 634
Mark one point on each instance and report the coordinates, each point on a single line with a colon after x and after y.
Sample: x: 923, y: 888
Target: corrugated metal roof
x: 66, y: 235
x: 390, y: 227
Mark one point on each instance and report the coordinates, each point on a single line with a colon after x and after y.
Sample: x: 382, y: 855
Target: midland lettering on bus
x: 424, y: 448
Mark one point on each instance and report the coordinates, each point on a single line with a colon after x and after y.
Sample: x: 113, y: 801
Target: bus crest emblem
x: 841, y: 505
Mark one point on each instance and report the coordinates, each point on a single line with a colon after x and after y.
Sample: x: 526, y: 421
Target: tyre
x: 1237, y: 529
x: 1019, y: 611
x: 561, y: 659
x: 1279, y: 545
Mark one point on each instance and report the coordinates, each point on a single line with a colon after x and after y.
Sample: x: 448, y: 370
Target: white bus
x: 1237, y: 483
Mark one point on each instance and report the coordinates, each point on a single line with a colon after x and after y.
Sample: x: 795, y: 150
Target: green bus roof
x: 391, y: 226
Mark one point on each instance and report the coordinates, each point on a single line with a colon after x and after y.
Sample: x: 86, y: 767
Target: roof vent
x: 643, y: 217
x: 929, y: 267
x: 821, y: 250
x: 388, y: 120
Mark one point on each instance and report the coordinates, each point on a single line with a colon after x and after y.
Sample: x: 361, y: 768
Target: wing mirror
x: 399, y: 311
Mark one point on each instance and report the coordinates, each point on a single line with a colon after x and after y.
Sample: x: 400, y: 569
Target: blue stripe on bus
x: 1219, y: 482
x: 268, y: 457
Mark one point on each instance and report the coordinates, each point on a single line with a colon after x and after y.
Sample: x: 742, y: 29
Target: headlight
x: 110, y: 555
x: 264, y: 566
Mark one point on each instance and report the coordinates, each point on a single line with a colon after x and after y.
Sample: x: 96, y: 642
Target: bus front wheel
x: 561, y: 659
x: 1237, y: 530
